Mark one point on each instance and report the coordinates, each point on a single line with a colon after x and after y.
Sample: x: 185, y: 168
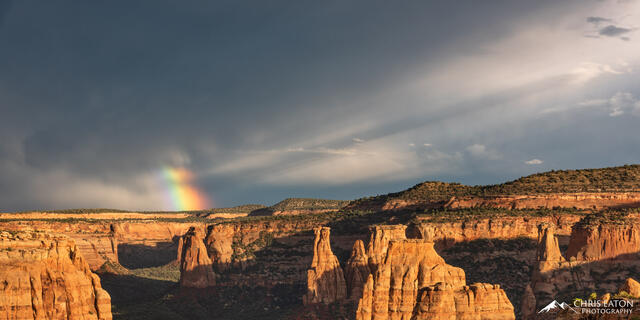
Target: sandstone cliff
x: 196, y: 268
x: 325, y: 279
x: 379, y: 241
x: 476, y: 301
x: 586, y: 200
x: 43, y: 276
x: 605, y: 241
x: 581, y: 200
x: 548, y: 248
x: 411, y: 281
x: 446, y: 234
x: 599, y: 257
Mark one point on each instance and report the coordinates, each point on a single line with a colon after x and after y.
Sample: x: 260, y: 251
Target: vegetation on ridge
x: 614, y: 179
x: 308, y: 204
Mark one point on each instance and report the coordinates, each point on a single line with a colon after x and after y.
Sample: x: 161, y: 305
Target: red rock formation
x: 632, y: 287
x: 413, y: 281
x: 43, y: 276
x: 219, y: 242
x: 548, y: 248
x: 601, y: 251
x: 379, y: 241
x: 325, y: 279
x: 605, y: 241
x: 357, y: 271
x: 196, y: 269
x: 476, y: 301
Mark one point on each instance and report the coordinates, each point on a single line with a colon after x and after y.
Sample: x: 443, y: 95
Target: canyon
x: 434, y: 251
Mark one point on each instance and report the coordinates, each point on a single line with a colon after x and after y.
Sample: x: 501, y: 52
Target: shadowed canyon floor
x: 434, y: 251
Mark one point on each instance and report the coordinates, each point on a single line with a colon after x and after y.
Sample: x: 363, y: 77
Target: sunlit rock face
x: 411, y: 281
x: 632, y: 287
x: 325, y: 279
x: 589, y: 242
x: 44, y: 276
x: 196, y: 268
x: 602, y: 252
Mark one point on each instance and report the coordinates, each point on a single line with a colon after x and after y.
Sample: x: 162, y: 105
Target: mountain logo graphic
x: 555, y: 306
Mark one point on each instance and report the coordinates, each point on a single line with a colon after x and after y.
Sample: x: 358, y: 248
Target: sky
x: 257, y: 101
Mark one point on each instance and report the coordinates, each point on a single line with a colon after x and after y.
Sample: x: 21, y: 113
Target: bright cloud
x: 534, y: 162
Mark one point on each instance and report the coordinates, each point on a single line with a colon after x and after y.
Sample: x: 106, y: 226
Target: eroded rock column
x: 196, y: 268
x: 325, y: 279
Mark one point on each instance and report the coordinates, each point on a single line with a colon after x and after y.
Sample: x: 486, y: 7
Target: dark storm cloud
x: 101, y: 92
x: 5, y: 7
x: 613, y: 31
x: 597, y: 20
x: 111, y: 75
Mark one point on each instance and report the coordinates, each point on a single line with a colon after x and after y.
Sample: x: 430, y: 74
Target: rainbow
x: 182, y: 194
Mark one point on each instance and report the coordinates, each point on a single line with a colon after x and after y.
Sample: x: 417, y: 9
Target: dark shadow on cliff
x: 599, y: 276
x: 507, y: 262
x: 134, y: 297
x: 139, y: 255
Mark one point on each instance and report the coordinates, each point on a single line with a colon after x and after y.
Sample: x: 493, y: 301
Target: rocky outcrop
x: 476, y: 301
x: 632, y: 287
x: 196, y: 268
x: 602, y: 251
x: 605, y: 241
x: 357, y: 271
x: 325, y: 279
x: 379, y: 241
x: 548, y: 248
x: 44, y: 276
x: 413, y: 282
x: 219, y: 243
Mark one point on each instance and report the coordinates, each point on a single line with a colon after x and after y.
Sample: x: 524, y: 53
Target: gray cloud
x: 5, y: 7
x: 597, y: 20
x: 613, y: 31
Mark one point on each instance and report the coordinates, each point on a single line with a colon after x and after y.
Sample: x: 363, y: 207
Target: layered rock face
x: 231, y: 244
x: 96, y: 241
x: 586, y: 200
x: 325, y: 279
x: 411, y: 281
x: 579, y: 200
x: 599, y: 257
x: 43, y: 276
x: 196, y: 268
x: 219, y: 243
x: 379, y: 241
x: 604, y: 242
x: 449, y: 233
x: 476, y: 301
